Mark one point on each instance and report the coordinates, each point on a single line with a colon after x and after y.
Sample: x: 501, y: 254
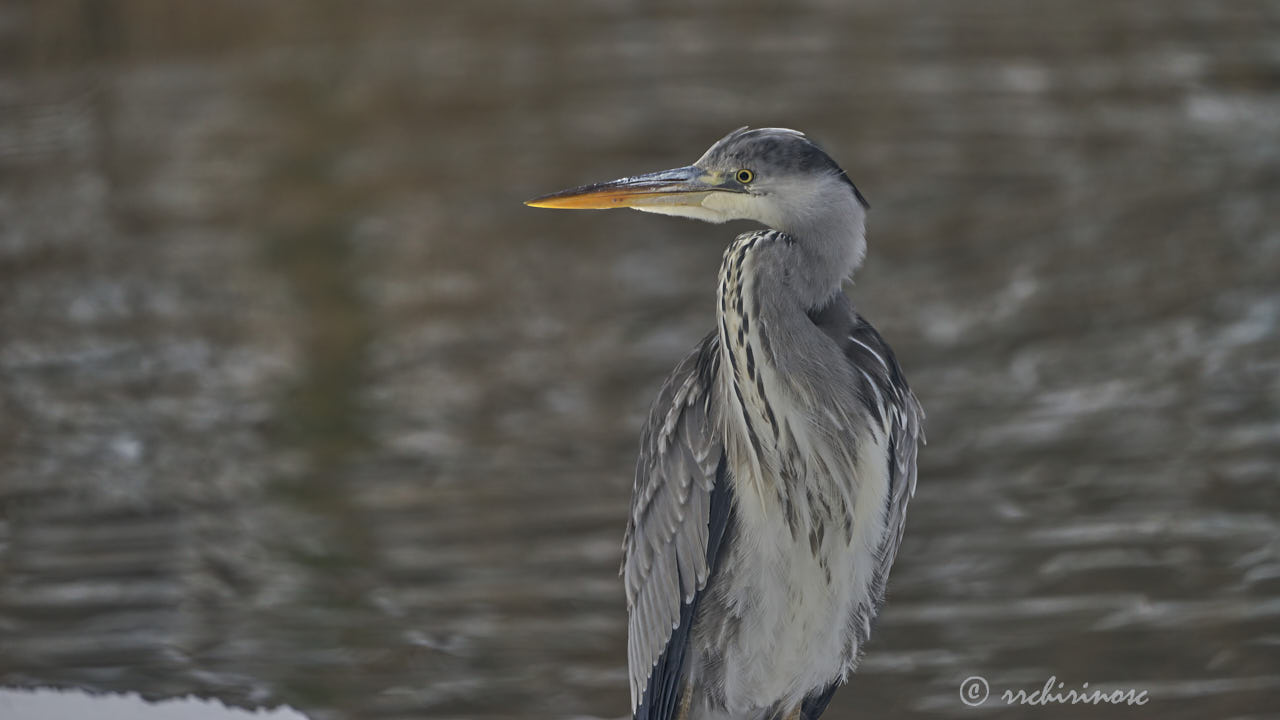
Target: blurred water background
x: 299, y: 404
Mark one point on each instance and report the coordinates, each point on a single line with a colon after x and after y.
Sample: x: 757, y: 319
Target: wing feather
x: 678, y: 518
x: 870, y: 354
x: 888, y: 399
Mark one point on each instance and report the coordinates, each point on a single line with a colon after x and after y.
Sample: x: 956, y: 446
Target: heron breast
x: 802, y: 601
x: 811, y: 490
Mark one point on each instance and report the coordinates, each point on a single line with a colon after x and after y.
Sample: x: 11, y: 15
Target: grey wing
x: 905, y: 437
x: 890, y: 403
x: 890, y: 399
x: 679, y: 510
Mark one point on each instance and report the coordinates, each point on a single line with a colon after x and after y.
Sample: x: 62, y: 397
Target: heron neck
x: 829, y: 247
x: 762, y: 299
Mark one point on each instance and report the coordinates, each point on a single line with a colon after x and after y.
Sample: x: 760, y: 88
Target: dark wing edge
x: 665, y: 686
x: 905, y: 440
x: 680, y: 508
x: 816, y: 703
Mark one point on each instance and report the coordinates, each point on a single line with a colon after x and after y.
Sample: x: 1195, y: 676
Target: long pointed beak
x: 685, y: 186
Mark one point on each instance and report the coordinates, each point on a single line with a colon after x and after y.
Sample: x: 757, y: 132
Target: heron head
x: 774, y: 176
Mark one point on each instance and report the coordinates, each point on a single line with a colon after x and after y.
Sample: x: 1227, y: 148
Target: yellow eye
x: 745, y: 176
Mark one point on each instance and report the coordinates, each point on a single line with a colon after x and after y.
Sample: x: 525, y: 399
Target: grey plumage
x: 779, y: 457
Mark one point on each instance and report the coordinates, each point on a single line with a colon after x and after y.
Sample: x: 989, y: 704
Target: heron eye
x: 745, y: 176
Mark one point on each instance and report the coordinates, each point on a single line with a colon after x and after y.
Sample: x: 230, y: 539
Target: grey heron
x: 777, y: 462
